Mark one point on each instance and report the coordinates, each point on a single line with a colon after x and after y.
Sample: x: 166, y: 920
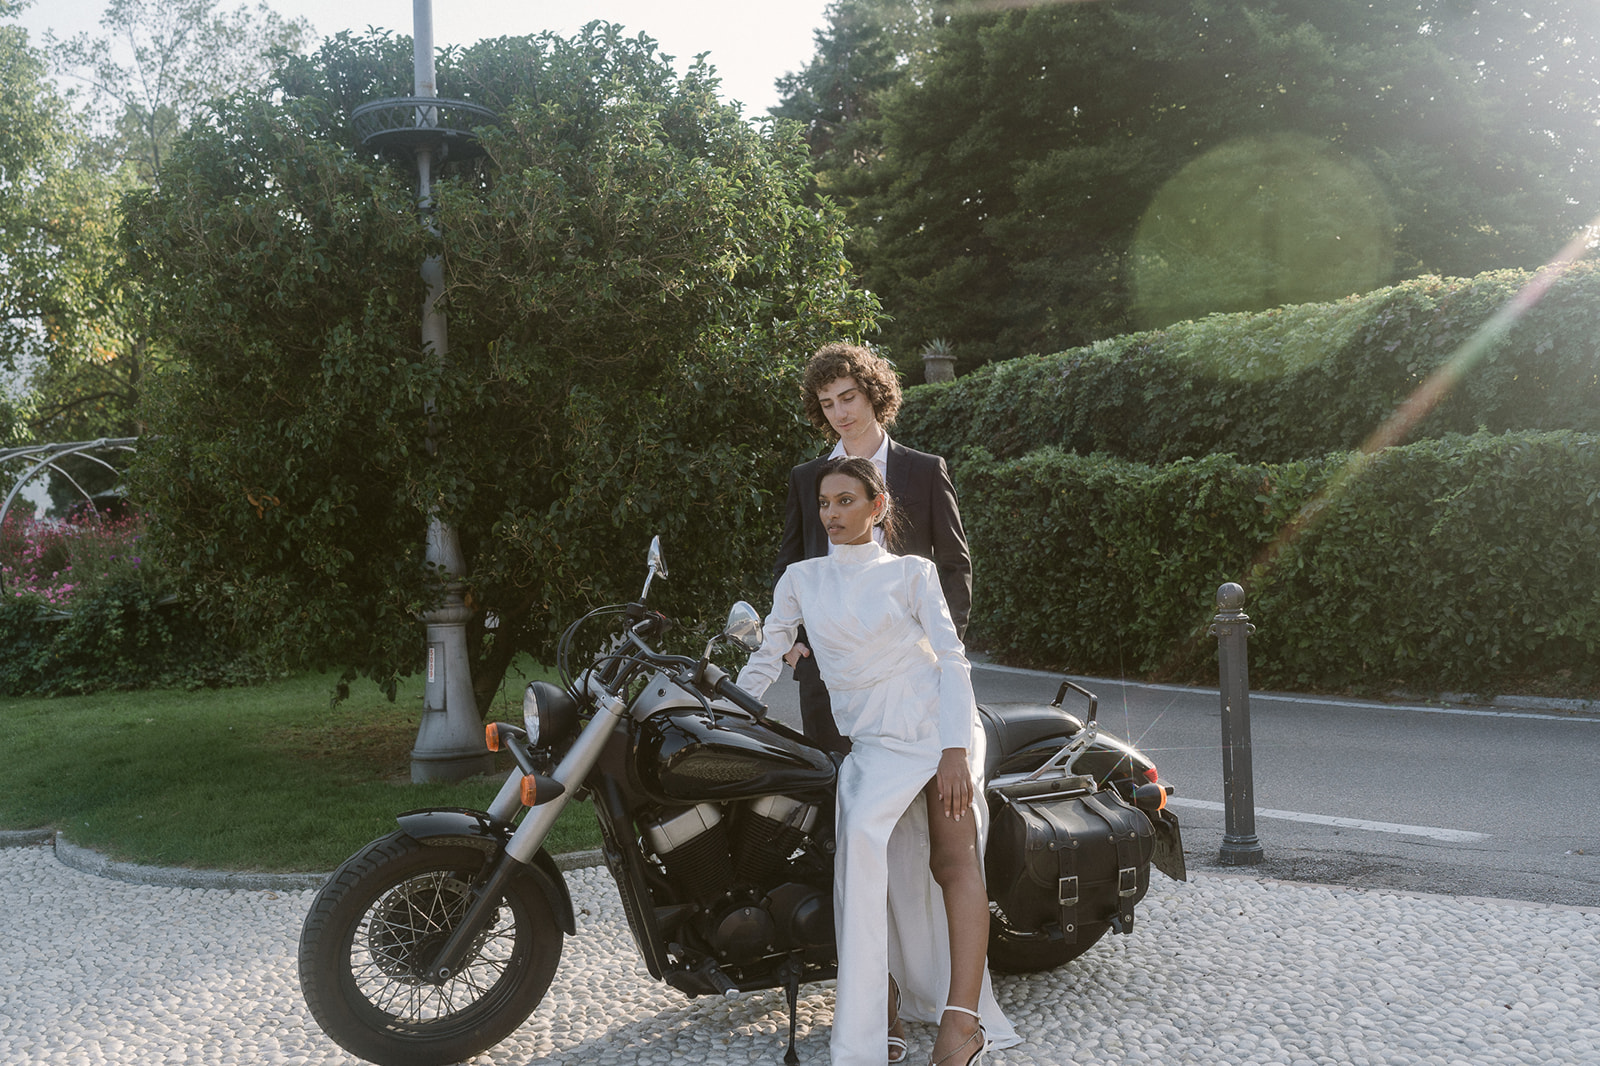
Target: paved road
x: 1444, y: 799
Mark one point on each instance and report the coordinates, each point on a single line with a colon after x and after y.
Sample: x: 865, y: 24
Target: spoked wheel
x: 375, y: 926
x: 1011, y: 951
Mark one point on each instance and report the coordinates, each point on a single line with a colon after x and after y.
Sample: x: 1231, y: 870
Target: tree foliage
x: 60, y: 299
x: 73, y: 333
x: 866, y: 47
x: 161, y: 61
x: 631, y: 280
x: 1059, y: 173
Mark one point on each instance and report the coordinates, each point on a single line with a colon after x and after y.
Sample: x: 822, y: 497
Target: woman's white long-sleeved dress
x: 901, y: 689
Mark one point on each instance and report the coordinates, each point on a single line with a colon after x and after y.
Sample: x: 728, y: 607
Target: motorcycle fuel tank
x: 688, y: 756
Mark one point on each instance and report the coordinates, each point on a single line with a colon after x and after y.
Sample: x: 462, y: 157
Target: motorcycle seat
x: 1010, y: 727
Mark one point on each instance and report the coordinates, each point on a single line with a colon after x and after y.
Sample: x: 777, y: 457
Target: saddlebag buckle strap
x: 1067, y: 891
x: 1128, y: 881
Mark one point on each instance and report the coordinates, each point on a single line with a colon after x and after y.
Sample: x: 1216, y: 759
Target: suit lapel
x: 816, y: 538
x: 897, y: 468
x: 897, y: 472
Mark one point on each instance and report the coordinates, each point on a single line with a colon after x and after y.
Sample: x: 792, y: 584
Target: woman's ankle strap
x: 963, y: 1010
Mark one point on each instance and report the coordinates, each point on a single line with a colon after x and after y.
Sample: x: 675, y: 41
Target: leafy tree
x: 866, y: 47
x: 632, y: 279
x: 163, y: 60
x: 60, y: 302
x: 74, y: 317
x: 1016, y: 205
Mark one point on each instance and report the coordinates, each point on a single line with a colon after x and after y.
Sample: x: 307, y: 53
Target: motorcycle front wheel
x: 374, y: 927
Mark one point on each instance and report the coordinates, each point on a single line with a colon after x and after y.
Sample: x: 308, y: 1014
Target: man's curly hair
x: 873, y: 374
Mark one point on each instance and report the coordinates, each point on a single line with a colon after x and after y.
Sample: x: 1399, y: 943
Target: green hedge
x: 1468, y: 562
x: 126, y: 634
x: 1284, y: 384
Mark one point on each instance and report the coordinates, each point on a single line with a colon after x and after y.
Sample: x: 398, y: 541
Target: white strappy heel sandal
x: 898, y: 1048
x: 976, y: 1058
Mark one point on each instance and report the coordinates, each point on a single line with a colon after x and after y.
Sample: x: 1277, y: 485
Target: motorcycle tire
x: 378, y: 920
x: 1014, y: 952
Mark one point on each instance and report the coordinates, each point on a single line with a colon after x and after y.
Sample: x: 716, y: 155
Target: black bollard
x: 1232, y: 629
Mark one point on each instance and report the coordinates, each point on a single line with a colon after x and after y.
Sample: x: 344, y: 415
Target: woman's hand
x: 955, y: 782
x: 795, y: 654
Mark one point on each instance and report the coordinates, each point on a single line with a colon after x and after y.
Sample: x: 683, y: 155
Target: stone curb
x: 92, y: 862
x: 17, y: 838
x: 1523, y: 703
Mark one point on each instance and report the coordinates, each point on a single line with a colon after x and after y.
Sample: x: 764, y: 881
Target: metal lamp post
x: 450, y: 744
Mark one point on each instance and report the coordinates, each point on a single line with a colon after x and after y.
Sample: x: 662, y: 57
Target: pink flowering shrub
x: 54, y: 561
x: 82, y: 611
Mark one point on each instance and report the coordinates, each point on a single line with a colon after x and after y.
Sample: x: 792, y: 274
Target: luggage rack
x: 1056, y: 776
x: 1031, y: 786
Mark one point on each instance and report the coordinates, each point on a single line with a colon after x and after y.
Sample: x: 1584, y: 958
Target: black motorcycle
x: 437, y: 941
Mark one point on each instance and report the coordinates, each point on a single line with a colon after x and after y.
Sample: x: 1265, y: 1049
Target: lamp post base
x: 444, y: 765
x: 1241, y: 852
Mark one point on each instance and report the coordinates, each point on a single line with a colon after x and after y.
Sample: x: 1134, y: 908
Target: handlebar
x: 740, y: 698
x: 692, y: 672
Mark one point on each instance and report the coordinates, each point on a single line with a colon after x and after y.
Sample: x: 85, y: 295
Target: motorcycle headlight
x: 548, y: 713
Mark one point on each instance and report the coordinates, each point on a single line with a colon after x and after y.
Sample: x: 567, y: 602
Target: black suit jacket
x: 929, y: 522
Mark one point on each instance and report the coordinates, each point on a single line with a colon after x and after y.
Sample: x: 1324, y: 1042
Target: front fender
x: 461, y: 827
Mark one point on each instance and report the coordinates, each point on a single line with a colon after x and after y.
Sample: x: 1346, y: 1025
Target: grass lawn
x: 273, y: 778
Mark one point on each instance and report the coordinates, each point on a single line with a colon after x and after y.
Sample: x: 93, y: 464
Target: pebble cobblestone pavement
x: 1224, y: 969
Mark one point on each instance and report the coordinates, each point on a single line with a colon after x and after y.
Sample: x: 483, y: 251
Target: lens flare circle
x: 1261, y: 222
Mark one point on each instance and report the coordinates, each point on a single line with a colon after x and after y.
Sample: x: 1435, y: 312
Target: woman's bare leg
x: 953, y: 860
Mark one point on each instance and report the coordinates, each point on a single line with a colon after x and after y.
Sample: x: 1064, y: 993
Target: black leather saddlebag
x: 1068, y: 860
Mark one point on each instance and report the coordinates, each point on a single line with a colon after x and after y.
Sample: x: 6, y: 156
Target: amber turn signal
x: 491, y: 736
x: 537, y: 789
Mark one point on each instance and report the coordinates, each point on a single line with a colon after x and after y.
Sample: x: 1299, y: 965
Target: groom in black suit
x: 852, y: 394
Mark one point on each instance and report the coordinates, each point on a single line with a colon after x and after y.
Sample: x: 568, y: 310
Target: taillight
x: 1150, y: 797
x: 1151, y: 775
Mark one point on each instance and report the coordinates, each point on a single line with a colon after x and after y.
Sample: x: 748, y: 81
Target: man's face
x: 846, y: 408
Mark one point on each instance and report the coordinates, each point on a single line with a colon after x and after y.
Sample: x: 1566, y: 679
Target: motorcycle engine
x: 693, y: 846
x: 749, y: 903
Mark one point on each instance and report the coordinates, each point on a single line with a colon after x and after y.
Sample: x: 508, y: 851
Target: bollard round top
x: 1230, y: 597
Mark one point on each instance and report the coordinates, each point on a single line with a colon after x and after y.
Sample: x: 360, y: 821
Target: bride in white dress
x: 909, y: 899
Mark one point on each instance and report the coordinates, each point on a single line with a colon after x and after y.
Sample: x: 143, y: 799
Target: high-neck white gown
x: 901, y: 690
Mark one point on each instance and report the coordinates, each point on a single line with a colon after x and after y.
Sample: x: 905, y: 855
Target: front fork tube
x: 572, y: 772
x: 529, y: 836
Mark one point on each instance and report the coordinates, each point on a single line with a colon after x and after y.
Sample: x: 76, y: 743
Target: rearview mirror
x: 656, y: 564
x: 744, y: 626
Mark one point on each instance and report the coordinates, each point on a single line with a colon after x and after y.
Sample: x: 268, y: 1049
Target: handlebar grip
x: 740, y: 698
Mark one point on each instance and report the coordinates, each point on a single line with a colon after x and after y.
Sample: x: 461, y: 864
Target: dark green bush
x: 126, y: 634
x: 1463, y: 563
x: 1467, y: 562
x: 1288, y: 383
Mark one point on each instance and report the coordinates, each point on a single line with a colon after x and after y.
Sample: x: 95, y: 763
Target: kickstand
x: 791, y: 987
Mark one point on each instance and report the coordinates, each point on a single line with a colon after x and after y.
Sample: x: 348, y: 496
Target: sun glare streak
x: 1428, y: 395
x: 1413, y: 409
x: 1138, y: 741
